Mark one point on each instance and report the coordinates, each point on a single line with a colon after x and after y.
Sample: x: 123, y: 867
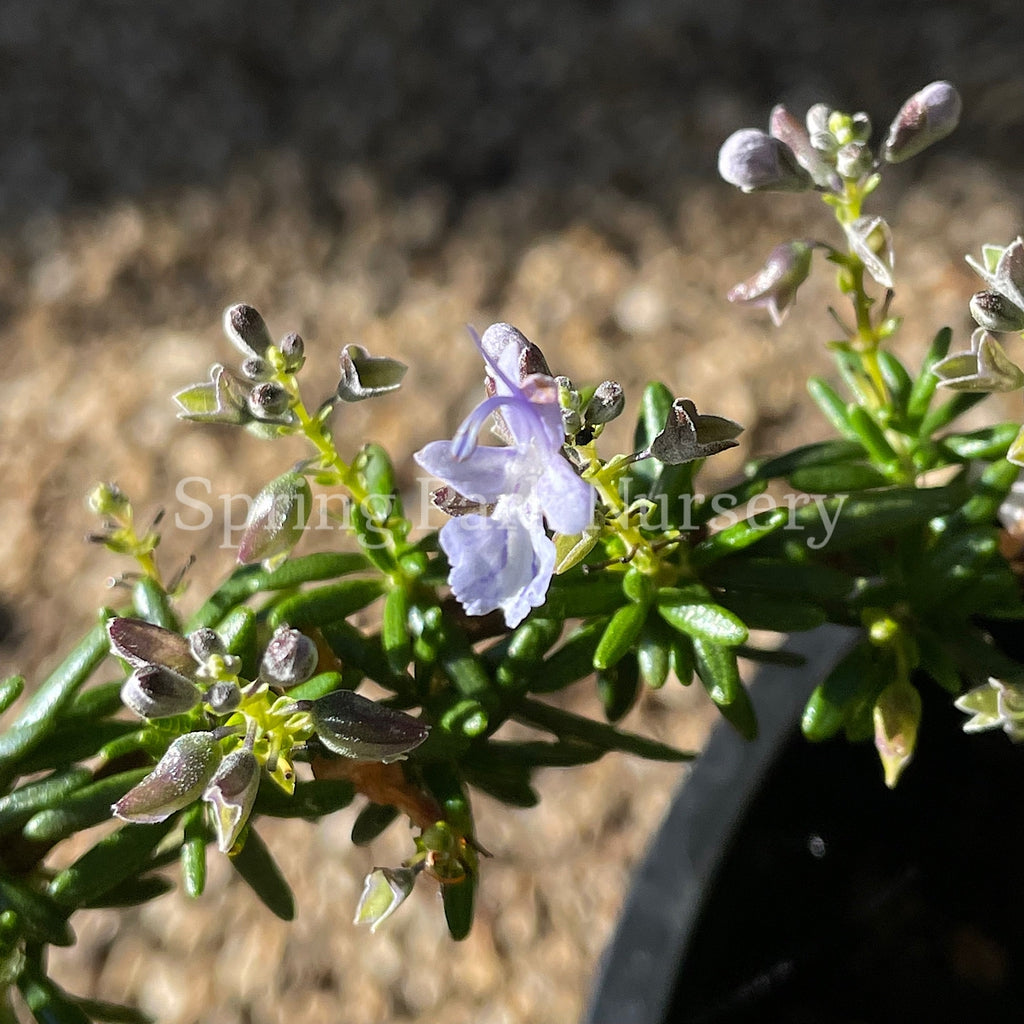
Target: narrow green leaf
x: 738, y: 537
x: 17, y: 807
x: 152, y: 604
x: 821, y: 453
x: 717, y: 669
x: 193, y: 850
x: 114, y: 859
x: 852, y: 681
x: 113, y: 1013
x: 10, y: 690
x: 987, y: 443
x: 95, y: 702
x: 566, y: 725
x: 256, y: 865
x: 334, y: 602
x: 133, y: 892
x: 572, y: 661
x: 459, y: 899
x: 39, y: 919
x: 618, y: 686
x: 835, y: 409
x: 768, y: 611
x: 839, y: 479
x: 47, y: 1001
x: 704, y: 621
x: 897, y: 380
x: 318, y: 686
x: 82, y: 808
x: 871, y: 436
x: 524, y: 651
x: 39, y: 714
x: 942, y: 415
x: 652, y: 653
x: 371, y: 821
x: 311, y: 800
x: 394, y: 633
x: 619, y: 636
x: 924, y: 386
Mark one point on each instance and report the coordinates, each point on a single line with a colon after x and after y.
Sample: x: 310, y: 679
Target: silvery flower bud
x: 269, y: 400
x: 223, y: 697
x: 756, y: 162
x: 178, y: 779
x: 256, y: 369
x: 605, y: 404
x: 156, y: 692
x: 355, y: 727
x: 996, y: 313
x: 289, y: 659
x: 927, y: 117
x: 204, y: 643
x: 384, y: 891
x: 231, y: 793
x: 853, y: 160
x: 860, y: 127
x: 247, y: 330
x: 140, y: 643
x: 817, y: 119
x: 787, y: 129
x: 293, y: 349
x: 276, y: 520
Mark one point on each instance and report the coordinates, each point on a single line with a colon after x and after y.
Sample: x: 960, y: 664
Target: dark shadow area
x: 110, y: 100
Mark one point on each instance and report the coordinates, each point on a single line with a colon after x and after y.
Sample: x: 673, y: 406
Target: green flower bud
x: 178, y: 779
x: 231, y: 793
x: 927, y: 117
x: 109, y: 500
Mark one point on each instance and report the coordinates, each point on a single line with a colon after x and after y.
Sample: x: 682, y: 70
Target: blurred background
x: 383, y: 174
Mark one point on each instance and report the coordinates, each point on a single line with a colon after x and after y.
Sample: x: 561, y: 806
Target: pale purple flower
x: 505, y: 560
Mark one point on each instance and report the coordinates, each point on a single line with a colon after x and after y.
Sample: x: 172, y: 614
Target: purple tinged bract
x: 506, y: 560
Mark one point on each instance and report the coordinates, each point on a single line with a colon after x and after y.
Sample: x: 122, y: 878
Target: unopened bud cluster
x: 231, y: 730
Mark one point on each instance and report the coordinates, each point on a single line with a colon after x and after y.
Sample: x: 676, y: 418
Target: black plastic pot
x: 787, y: 884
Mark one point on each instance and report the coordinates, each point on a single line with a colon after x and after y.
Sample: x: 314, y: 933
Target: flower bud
x: 204, y: 643
x: 153, y: 691
x: 223, y: 697
x: 384, y: 891
x: 109, y: 500
x: 787, y: 129
x: 927, y: 117
x: 366, y: 376
x: 817, y: 120
x: 269, y: 400
x: 276, y: 520
x: 289, y: 659
x: 293, y: 349
x: 606, y: 403
x: 774, y: 286
x: 755, y: 162
x: 231, y: 793
x: 355, y: 727
x: 897, y: 715
x: 247, y: 330
x: 140, y: 643
x: 256, y: 369
x: 853, y: 160
x: 178, y: 779
x: 994, y: 705
x: 996, y: 313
